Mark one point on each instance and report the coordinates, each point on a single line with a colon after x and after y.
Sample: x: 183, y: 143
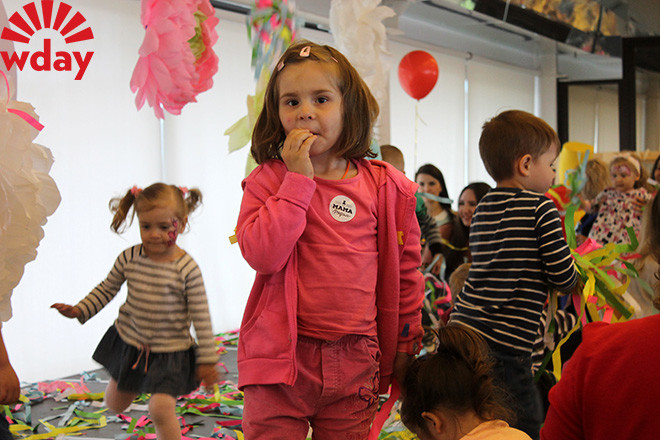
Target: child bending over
x: 451, y: 394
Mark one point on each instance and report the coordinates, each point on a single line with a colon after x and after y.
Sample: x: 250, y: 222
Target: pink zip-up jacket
x: 272, y: 218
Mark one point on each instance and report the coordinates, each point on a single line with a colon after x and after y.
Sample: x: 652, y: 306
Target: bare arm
x: 10, y: 388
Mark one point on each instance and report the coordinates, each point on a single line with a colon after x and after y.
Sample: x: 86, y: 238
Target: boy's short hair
x: 509, y: 136
x: 393, y: 156
x: 457, y: 280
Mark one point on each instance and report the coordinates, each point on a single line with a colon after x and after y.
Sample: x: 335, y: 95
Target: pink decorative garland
x: 177, y: 60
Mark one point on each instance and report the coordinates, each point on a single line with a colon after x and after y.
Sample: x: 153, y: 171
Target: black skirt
x: 136, y: 370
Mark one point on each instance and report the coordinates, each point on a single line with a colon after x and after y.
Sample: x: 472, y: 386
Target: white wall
x: 102, y: 146
x: 450, y: 118
x: 594, y: 117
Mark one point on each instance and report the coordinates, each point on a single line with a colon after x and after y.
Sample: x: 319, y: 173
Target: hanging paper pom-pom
x: 177, y: 60
x: 28, y: 195
x: 358, y: 29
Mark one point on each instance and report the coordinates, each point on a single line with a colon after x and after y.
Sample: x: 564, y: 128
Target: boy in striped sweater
x: 518, y: 251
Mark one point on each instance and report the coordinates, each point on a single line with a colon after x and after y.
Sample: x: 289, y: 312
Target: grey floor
x: 49, y: 408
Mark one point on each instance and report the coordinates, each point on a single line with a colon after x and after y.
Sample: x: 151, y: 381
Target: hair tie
x: 305, y: 51
x: 136, y: 191
x: 184, y: 190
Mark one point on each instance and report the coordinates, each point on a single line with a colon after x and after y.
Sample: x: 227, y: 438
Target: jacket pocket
x: 267, y: 334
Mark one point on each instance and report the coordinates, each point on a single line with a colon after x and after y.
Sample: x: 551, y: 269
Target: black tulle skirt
x: 139, y: 371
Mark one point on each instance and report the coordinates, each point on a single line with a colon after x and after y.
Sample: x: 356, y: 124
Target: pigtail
x: 120, y: 206
x: 192, y: 198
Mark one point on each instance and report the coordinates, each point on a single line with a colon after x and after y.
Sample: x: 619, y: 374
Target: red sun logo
x: 40, y: 16
x: 57, y: 21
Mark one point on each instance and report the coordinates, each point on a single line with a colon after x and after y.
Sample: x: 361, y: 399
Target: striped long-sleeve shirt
x: 518, y: 252
x: 163, y: 298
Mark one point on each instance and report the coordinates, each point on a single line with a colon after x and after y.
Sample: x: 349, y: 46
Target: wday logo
x: 45, y: 15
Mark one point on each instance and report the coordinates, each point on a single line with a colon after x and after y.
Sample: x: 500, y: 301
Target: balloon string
x: 416, y: 126
x: 418, y: 118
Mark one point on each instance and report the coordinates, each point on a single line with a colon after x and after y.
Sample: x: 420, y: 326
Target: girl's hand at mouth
x: 295, y: 151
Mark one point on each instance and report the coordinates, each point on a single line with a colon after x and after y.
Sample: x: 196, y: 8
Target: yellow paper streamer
x: 54, y: 432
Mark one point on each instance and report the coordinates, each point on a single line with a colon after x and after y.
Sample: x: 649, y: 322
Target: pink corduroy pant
x: 336, y: 393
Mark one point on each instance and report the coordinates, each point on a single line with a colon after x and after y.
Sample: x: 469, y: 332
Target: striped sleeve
x: 198, y: 309
x: 102, y: 294
x: 555, y: 254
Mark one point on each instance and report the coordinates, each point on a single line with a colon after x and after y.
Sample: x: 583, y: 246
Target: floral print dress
x: 616, y: 212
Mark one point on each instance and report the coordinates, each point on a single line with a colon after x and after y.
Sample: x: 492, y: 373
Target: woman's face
x: 428, y: 184
x: 467, y: 203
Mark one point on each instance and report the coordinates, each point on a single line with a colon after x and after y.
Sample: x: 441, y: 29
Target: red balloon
x: 418, y: 73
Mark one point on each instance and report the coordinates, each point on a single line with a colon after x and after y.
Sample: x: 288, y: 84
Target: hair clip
x: 280, y: 66
x: 304, y: 52
x: 136, y: 191
x: 335, y: 60
x: 184, y: 190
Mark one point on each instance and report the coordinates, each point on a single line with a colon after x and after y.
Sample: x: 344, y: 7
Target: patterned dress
x: 616, y: 211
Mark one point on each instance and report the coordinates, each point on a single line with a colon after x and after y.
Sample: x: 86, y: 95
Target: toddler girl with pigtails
x: 149, y: 348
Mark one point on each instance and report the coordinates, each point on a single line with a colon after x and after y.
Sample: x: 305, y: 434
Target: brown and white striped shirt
x: 163, y: 299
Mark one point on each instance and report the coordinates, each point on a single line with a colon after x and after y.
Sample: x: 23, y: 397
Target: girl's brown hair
x: 458, y: 378
x: 598, y: 178
x: 359, y: 107
x: 156, y: 195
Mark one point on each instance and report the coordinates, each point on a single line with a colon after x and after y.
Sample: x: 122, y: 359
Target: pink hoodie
x: 272, y: 219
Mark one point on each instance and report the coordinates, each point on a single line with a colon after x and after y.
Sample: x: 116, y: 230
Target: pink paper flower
x: 176, y: 61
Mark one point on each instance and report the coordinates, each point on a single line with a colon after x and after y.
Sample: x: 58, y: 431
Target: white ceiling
x: 445, y: 24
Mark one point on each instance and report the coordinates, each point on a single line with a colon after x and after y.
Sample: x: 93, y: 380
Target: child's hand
x: 295, y: 151
x: 67, y: 310
x: 638, y: 204
x: 208, y: 374
x: 585, y: 204
x: 401, y: 363
x: 10, y: 388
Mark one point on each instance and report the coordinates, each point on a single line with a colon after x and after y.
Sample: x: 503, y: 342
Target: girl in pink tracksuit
x: 334, y: 312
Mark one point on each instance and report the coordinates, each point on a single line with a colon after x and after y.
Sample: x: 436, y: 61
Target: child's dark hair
x: 358, y: 105
x: 509, y: 136
x: 656, y: 165
x: 435, y: 172
x: 158, y: 194
x: 458, y: 378
x: 461, y: 233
